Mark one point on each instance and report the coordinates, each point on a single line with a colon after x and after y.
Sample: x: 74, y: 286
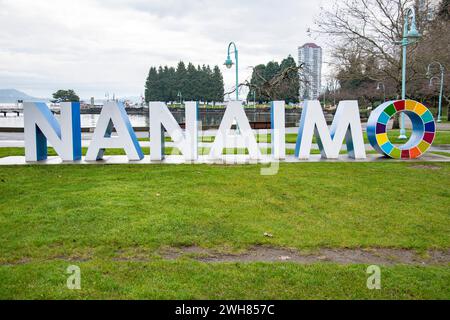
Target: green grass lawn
x: 193, y: 280
x: 55, y: 216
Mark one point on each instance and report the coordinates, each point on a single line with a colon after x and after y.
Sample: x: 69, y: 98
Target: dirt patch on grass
x: 74, y: 258
x: 426, y: 166
x: 134, y: 254
x: 344, y: 256
x: 16, y: 262
x: 341, y: 256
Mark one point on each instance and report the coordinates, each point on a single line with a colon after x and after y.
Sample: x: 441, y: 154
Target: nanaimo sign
x: 65, y: 135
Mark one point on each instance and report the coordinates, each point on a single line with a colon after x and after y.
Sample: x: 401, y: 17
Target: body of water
x: 87, y: 120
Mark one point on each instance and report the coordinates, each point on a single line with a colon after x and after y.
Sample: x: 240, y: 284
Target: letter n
x: 160, y: 118
x: 40, y: 125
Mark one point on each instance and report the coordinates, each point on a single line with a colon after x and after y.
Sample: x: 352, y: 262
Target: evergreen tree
x: 181, y: 80
x: 287, y: 89
x: 257, y: 82
x: 191, y: 82
x: 199, y: 90
x: 217, y: 85
x: 272, y: 69
x: 209, y: 88
x: 197, y: 84
x: 163, y: 82
x: 205, y: 83
x: 171, y: 83
x: 150, y: 85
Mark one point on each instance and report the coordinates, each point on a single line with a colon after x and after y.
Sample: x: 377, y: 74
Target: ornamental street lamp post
x: 410, y: 36
x: 229, y: 63
x: 441, y: 67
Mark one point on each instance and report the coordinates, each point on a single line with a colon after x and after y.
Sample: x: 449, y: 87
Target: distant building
x: 310, y: 54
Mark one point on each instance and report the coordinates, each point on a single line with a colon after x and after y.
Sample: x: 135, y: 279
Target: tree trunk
x: 448, y: 106
x: 448, y: 112
x: 396, y: 124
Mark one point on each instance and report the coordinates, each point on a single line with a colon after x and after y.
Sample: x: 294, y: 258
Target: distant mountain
x: 12, y: 95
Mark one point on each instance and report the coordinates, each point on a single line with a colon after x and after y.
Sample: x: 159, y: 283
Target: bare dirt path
x: 381, y: 256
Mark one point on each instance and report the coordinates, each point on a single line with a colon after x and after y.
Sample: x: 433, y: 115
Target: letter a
x: 114, y: 115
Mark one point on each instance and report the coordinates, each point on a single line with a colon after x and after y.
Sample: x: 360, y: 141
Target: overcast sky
x: 99, y: 46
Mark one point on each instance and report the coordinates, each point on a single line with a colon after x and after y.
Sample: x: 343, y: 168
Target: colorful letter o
x: 423, y: 129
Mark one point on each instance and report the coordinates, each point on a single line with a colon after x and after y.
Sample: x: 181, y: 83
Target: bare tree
x: 435, y: 46
x: 370, y: 30
x: 271, y: 87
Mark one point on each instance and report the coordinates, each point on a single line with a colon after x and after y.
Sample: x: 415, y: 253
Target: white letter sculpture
x: 346, y: 124
x: 114, y: 115
x: 187, y: 143
x: 245, y: 138
x: 40, y: 125
x: 277, y: 120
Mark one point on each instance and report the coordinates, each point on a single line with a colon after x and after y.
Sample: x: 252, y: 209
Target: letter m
x: 346, y: 125
x: 40, y: 125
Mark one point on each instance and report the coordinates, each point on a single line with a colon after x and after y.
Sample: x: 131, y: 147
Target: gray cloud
x: 108, y: 45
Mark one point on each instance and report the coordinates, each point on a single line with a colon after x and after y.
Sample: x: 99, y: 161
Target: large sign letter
x: 245, y: 138
x: 423, y: 129
x: 278, y: 130
x: 40, y: 125
x: 113, y: 115
x: 346, y: 124
x: 160, y: 117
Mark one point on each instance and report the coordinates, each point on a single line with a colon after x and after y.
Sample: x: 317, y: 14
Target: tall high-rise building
x: 310, y: 54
